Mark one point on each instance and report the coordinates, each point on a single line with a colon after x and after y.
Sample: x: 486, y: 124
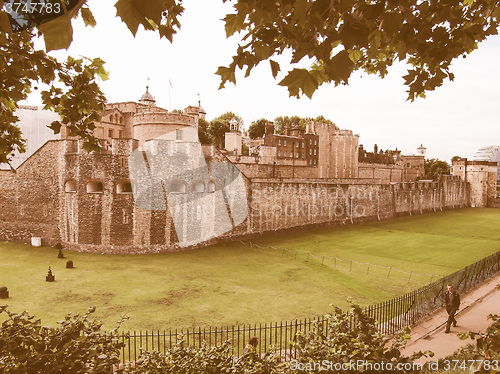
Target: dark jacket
x: 452, y: 302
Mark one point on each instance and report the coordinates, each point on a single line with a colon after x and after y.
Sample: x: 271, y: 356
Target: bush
x: 77, y: 345
x: 346, y: 338
x: 3, y: 289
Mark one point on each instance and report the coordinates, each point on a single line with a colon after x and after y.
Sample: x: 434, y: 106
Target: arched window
x: 70, y: 186
x: 124, y: 188
x: 177, y: 187
x: 198, y: 186
x: 95, y: 187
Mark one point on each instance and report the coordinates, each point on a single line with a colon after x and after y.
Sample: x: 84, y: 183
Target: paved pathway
x: 475, y: 306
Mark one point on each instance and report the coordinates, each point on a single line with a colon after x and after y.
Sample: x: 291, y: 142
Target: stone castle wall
x: 385, y: 173
x: 49, y: 197
x: 278, y: 205
x: 29, y: 198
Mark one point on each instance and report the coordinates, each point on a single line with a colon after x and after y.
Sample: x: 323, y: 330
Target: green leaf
x: 355, y: 55
x: 300, y: 80
x: 88, y: 17
x: 58, y: 33
x: 226, y: 74
x: 5, y: 25
x: 134, y: 14
x: 340, y: 67
x: 275, y: 68
x: 55, y: 126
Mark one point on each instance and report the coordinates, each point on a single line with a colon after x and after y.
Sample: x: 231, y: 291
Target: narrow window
x: 110, y: 133
x: 178, y: 134
x: 125, y: 216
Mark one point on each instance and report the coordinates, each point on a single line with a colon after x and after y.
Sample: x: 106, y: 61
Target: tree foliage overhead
x: 343, y: 36
x: 333, y: 38
x: 338, y: 36
x: 73, y: 90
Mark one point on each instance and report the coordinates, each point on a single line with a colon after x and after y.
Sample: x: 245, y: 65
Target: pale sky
x: 456, y: 119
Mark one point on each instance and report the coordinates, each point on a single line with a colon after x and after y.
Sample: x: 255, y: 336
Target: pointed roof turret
x: 147, y: 98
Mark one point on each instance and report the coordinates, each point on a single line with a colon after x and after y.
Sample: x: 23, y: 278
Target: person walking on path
x: 452, y: 302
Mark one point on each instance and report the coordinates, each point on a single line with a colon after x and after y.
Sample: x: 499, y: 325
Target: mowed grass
x: 236, y: 283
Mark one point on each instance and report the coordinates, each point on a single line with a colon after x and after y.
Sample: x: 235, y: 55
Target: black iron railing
x: 391, y: 316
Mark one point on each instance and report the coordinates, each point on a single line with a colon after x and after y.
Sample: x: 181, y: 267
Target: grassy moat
x: 236, y: 283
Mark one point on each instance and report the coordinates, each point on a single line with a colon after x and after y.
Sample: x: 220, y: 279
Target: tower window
x: 70, y: 186
x: 177, y: 187
x: 95, y: 187
x: 124, y: 188
x: 198, y: 187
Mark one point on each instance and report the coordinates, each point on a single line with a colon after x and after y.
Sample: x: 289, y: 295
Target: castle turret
x: 421, y: 151
x: 233, y: 137
x: 147, y: 98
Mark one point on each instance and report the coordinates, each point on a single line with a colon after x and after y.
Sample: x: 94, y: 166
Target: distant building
x: 390, y: 165
x: 33, y: 122
x: 296, y: 144
x: 482, y: 175
x: 233, y: 138
x: 491, y: 153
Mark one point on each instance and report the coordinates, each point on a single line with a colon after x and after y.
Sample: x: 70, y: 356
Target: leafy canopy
x: 434, y: 167
x: 73, y: 91
x: 333, y: 38
x: 257, y: 129
x: 343, y: 36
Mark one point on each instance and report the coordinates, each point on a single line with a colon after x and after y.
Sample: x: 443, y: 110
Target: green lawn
x: 241, y: 283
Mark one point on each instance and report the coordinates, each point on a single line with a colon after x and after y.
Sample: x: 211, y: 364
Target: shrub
x: 3, y: 289
x: 77, y: 345
x: 347, y: 337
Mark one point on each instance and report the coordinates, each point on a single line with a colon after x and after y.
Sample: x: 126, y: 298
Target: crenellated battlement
x: 164, y: 119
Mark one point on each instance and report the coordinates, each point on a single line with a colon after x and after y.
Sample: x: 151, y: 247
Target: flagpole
x: 169, y: 93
